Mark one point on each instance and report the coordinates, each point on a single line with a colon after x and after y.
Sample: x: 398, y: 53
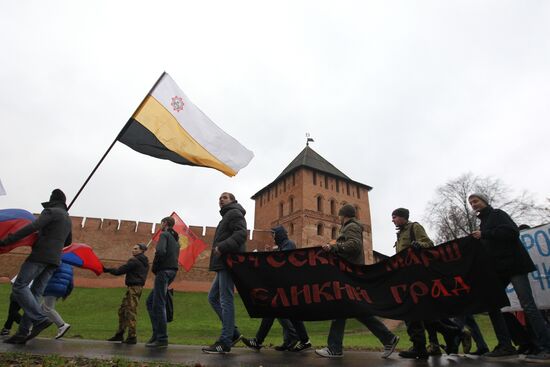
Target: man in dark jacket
x: 294, y: 338
x: 54, y: 232
x: 230, y: 237
x: 500, y: 237
x: 349, y: 245
x: 136, y: 274
x: 165, y: 267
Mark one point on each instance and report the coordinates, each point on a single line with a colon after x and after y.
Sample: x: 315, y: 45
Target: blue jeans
x: 337, y: 327
x: 156, y: 304
x: 532, y: 313
x: 221, y: 299
x: 29, y: 298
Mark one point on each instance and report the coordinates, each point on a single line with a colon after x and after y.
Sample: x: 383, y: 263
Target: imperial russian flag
x: 167, y: 125
x: 12, y: 220
x: 190, y: 245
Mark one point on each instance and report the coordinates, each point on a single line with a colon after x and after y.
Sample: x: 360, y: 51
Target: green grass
x: 93, y: 315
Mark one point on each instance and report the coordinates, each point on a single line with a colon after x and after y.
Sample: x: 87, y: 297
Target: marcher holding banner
x: 500, y: 236
x: 230, y: 237
x: 412, y: 234
x: 349, y: 245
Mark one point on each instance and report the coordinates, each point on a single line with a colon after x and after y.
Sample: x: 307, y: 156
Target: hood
x: 142, y: 258
x: 233, y: 205
x: 280, y: 235
x: 353, y: 220
x: 54, y: 204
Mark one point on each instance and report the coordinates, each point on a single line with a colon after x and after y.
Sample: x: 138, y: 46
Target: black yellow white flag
x: 167, y: 125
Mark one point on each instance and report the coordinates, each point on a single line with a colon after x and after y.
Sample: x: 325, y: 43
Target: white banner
x: 537, y: 242
x: 2, y: 190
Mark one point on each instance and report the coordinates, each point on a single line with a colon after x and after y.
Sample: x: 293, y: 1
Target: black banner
x: 310, y: 284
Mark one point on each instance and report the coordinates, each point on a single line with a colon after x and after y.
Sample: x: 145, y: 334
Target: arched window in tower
x: 291, y: 205
x: 281, y: 207
x: 357, y: 212
x: 332, y: 207
x: 320, y: 229
x: 347, y: 188
x: 337, y: 185
x: 326, y: 181
x: 291, y: 229
x: 358, y: 192
x: 319, y: 203
x: 333, y: 233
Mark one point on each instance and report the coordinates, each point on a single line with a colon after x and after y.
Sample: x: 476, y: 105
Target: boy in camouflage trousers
x: 136, y: 273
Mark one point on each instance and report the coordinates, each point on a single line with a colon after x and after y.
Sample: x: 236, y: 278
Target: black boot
x: 118, y: 337
x: 415, y: 353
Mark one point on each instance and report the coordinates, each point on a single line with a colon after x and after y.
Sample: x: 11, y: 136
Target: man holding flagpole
x: 230, y: 237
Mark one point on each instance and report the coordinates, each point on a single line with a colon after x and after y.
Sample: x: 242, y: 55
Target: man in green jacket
x: 412, y: 234
x: 349, y: 245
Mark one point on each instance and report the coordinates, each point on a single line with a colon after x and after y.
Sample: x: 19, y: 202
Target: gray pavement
x: 193, y: 356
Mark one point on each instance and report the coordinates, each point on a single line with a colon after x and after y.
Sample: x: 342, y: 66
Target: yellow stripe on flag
x: 171, y: 134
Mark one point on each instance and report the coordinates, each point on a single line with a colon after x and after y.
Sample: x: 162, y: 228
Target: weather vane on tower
x: 308, y: 139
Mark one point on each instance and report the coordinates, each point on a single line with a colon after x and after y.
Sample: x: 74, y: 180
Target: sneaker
x: 5, y: 332
x: 157, y: 344
x: 117, y: 338
x: 466, y: 340
x: 286, y: 346
x: 434, y: 349
x: 301, y: 346
x: 38, y: 328
x: 414, y: 353
x: 390, y: 348
x: 539, y: 357
x: 62, y: 330
x: 16, y: 339
x: 216, y: 348
x: 502, y: 352
x: 252, y: 343
x: 236, y: 339
x: 327, y: 353
x: 479, y: 352
x: 130, y: 340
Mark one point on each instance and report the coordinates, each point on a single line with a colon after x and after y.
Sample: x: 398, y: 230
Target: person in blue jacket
x: 59, y: 286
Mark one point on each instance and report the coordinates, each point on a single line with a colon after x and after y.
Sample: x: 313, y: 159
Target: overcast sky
x: 399, y: 95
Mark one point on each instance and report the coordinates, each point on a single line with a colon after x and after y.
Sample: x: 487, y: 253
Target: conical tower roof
x: 313, y: 160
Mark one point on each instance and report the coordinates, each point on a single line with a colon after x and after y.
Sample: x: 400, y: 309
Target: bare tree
x: 450, y: 216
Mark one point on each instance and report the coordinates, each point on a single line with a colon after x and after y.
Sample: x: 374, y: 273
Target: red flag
x: 82, y: 255
x: 190, y: 245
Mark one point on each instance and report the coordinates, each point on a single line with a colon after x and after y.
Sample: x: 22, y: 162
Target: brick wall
x: 113, y: 239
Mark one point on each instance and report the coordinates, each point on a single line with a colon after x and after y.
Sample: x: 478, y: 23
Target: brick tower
x: 305, y: 199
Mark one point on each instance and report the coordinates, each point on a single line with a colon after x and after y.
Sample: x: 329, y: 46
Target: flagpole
x: 113, y: 143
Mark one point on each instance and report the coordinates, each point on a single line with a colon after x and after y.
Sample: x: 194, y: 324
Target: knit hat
x: 58, y: 195
x: 347, y: 211
x: 142, y: 246
x: 401, y: 212
x: 480, y: 196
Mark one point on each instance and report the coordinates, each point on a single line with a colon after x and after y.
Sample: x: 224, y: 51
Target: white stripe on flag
x: 216, y: 141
